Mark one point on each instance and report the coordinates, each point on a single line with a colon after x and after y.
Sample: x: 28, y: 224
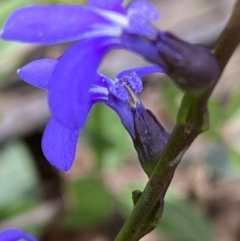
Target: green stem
x: 192, y: 120
x: 180, y: 140
x: 229, y: 38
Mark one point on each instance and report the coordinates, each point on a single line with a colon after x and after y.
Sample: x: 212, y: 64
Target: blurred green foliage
x: 7, y: 6
x: 182, y: 220
x: 108, y: 138
x: 18, y: 180
x: 17, y: 175
x: 90, y: 203
x: 10, y: 53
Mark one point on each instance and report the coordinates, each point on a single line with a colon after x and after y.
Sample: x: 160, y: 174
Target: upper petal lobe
x: 114, y: 5
x: 49, y: 24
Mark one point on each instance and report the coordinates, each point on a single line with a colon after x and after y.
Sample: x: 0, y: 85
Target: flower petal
x: 38, y: 72
x: 142, y: 9
x: 142, y: 71
x: 142, y: 46
x: 123, y: 111
x: 13, y: 234
x: 59, y: 145
x: 71, y: 80
x: 139, y: 12
x: 114, y: 5
x: 140, y: 26
x: 50, y: 24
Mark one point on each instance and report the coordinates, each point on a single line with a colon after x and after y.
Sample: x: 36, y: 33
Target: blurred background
x: 91, y: 202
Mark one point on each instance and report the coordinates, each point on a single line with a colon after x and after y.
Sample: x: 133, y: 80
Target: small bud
x: 150, y: 138
x: 192, y: 67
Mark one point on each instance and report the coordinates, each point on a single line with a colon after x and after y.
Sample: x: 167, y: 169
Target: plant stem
x: 180, y: 140
x: 229, y: 38
x: 192, y: 120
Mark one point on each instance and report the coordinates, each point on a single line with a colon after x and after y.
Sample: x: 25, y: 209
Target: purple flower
x: 59, y: 141
x: 13, y: 234
x: 72, y: 82
x: 127, y: 27
x: 60, y: 23
x: 101, y: 26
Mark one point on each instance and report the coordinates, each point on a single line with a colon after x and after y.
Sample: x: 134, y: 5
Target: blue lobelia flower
x: 13, y: 234
x: 101, y: 26
x: 59, y: 141
x: 128, y: 27
x: 72, y: 82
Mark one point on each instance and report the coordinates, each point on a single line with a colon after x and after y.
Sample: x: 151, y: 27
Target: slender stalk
x: 192, y: 120
x: 180, y: 140
x: 229, y: 38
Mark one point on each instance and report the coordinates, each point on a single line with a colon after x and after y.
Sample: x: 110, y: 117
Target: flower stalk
x: 191, y: 121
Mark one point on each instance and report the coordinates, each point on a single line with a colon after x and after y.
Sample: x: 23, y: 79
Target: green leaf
x: 217, y: 118
x: 217, y: 159
x: 234, y: 156
x: 232, y: 106
x: 172, y: 97
x: 91, y: 203
x: 182, y: 220
x: 108, y: 138
x: 10, y: 53
x: 18, y: 175
x: 19, y: 205
x: 220, y: 113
